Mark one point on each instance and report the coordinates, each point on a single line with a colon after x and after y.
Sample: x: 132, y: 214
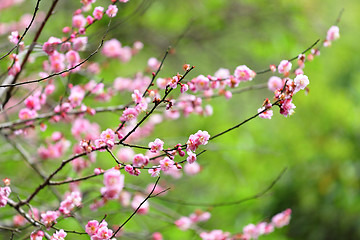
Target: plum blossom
x: 129, y: 114
x: 183, y: 223
x: 137, y: 200
x: 78, y: 21
x: 98, y: 13
x: 192, y: 169
x: 333, y: 33
x: 156, y: 146
x: 59, y: 235
x: 215, y: 235
x: 140, y: 160
x: 154, y: 172
x: 49, y: 218
x: 112, y: 10
x: 281, y: 219
x: 191, y: 157
x: 266, y: 114
x: 197, y: 139
x: 284, y: 67
x: 243, y: 73
x: 274, y: 83
x: 4, y: 195
x: 166, y: 164
x: 114, y: 183
x: 153, y: 64
x: 71, y: 201
x: 301, y: 81
x: 98, y: 231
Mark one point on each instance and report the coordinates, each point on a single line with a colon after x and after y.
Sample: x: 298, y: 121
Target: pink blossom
x: 333, y: 33
x: 98, y: 12
x: 274, y: 83
x: 103, y: 233
x: 78, y: 21
x: 166, y: 164
x: 156, y: 236
x: 284, y: 67
x: 287, y: 108
x: 129, y: 114
x: 162, y: 82
x: 192, y: 169
x: 301, y: 81
x: 33, y: 102
x: 173, y: 82
x: 251, y: 231
x: 183, y: 223
x: 14, y: 37
x: 137, y: 46
x: 125, y: 54
x: 4, y: 195
x: 77, y: 94
x: 38, y: 235
x: 154, y: 172
x: 201, y: 83
x: 92, y: 227
x: 112, y: 11
x: 191, y: 157
x: 137, y: 200
x: 140, y: 160
x: 57, y: 61
x: 281, y: 219
x: 108, y: 137
x: 50, y: 46
x: 72, y: 57
x: 59, y: 235
x: 215, y: 235
x: 200, y: 216
x: 156, y: 146
x: 243, y: 73
x: 266, y: 114
x: 123, y: 1
x: 112, y: 48
x: 199, y: 138
x: 114, y: 183
x: 70, y: 202
x: 125, y: 154
x: 49, y: 218
x: 79, y: 43
x: 136, y: 96
x: 26, y: 113
x: 222, y: 73
x: 153, y: 64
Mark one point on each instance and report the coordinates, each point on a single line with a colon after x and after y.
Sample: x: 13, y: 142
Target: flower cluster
x: 185, y: 223
x: 250, y: 231
x: 4, y: 194
x: 98, y: 231
x: 114, y: 183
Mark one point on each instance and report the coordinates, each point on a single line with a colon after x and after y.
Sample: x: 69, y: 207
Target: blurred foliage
x: 319, y: 145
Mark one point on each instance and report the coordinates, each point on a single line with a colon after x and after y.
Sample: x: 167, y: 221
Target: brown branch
x: 26, y: 30
x: 64, y: 71
x: 31, y: 47
x: 137, y: 209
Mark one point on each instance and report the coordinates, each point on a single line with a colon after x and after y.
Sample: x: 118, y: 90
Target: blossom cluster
x: 98, y: 231
x: 252, y: 231
x: 4, y: 194
x: 63, y: 58
x: 185, y: 223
